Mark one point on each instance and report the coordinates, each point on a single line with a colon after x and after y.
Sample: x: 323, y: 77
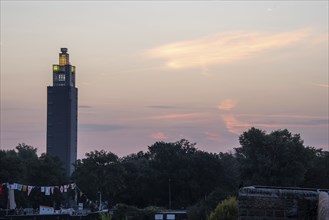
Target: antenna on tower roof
x: 64, y: 50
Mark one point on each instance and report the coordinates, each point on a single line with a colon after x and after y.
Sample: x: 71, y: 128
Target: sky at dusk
x: 149, y: 71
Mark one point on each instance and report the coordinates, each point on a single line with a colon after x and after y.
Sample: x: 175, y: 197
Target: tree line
x: 177, y: 175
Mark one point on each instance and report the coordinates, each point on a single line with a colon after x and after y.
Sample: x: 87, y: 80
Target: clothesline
x: 47, y: 190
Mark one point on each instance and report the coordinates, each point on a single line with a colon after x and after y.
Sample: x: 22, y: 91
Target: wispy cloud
x: 227, y: 104
x: 282, y: 116
x: 237, y: 126
x: 214, y: 137
x: 100, y: 127
x: 320, y: 85
x: 233, y: 125
x: 222, y: 48
x: 161, y: 106
x: 158, y: 136
x: 237, y: 123
x: 85, y: 106
x: 176, y: 116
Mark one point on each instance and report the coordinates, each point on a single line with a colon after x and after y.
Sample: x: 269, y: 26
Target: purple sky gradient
x: 162, y: 71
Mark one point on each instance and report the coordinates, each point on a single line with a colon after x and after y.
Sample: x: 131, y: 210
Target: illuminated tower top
x: 64, y: 72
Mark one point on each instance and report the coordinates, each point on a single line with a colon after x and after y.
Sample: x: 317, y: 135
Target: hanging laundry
x: 19, y: 187
x: 65, y: 188
x: 24, y: 188
x: 72, y: 186
x: 61, y: 189
x: 47, y: 191
x: 12, y: 186
x: 11, y: 198
x: 42, y: 189
x: 29, y: 189
x: 52, y: 188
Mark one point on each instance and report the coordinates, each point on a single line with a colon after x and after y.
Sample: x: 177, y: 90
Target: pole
x: 169, y: 193
x: 100, y: 201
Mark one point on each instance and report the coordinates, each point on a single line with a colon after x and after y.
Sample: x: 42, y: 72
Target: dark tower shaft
x: 62, y: 113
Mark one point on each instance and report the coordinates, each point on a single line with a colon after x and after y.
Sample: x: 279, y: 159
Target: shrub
x: 225, y: 210
x: 105, y: 216
x: 202, y: 209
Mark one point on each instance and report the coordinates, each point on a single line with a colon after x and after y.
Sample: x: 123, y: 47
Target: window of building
x: 63, y: 59
x: 55, y: 68
x: 61, y: 77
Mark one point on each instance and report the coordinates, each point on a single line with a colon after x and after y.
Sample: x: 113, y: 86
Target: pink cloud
x: 227, y: 104
x: 320, y: 85
x: 282, y: 116
x: 237, y: 126
x: 233, y: 125
x: 222, y: 48
x: 158, y: 136
x: 175, y: 116
x: 215, y: 137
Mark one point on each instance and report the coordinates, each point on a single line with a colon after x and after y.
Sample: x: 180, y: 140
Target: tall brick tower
x: 62, y: 113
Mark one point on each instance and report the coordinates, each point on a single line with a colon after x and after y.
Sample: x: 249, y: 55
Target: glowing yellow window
x: 62, y: 60
x: 55, y: 67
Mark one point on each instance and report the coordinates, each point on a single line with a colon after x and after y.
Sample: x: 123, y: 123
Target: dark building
x: 62, y: 113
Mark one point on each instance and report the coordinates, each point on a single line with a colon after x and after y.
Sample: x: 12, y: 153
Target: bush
x: 202, y: 209
x: 225, y: 210
x: 105, y: 216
